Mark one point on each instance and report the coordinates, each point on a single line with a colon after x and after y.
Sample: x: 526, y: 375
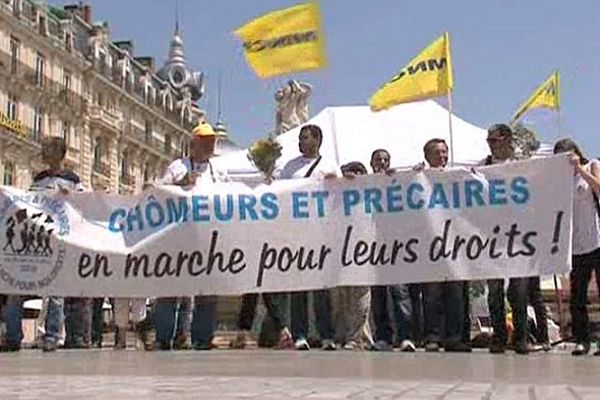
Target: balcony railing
x: 48, y: 87
x: 101, y: 115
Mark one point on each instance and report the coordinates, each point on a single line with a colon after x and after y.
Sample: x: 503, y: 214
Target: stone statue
x: 292, y: 105
x: 525, y: 141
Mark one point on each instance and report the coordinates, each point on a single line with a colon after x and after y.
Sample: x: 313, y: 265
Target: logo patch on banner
x: 31, y: 250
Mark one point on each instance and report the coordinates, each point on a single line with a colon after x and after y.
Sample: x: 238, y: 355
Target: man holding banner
x: 400, y: 294
x: 500, y: 141
x: 443, y: 302
x: 311, y: 164
x: 189, y: 171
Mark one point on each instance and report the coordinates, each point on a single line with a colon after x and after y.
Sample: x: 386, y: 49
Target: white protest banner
x: 229, y: 239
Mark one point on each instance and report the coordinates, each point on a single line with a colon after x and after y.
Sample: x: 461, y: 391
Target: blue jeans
x: 402, y: 308
x: 12, y: 313
x: 204, y: 320
x: 322, y: 307
x: 172, y: 318
x: 54, y: 319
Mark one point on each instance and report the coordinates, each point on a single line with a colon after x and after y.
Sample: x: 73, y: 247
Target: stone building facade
x: 61, y: 75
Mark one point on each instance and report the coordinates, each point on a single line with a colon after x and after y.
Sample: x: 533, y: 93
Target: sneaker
x: 49, y: 346
x: 581, y: 349
x: 432, y: 347
x: 328, y: 345
x: 407, y: 346
x: 302, y: 344
x: 285, y: 340
x: 382, y: 345
x: 459, y: 347
x: 351, y: 345
x: 597, y: 353
x: 239, y: 343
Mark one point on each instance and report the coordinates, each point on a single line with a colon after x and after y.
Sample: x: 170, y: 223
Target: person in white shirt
x: 311, y: 164
x: 586, y: 239
x: 171, y: 332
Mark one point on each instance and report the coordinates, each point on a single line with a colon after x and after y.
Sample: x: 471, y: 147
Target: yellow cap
x: 203, y: 129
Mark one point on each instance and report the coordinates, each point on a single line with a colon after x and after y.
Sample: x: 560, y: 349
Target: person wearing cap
x: 196, y: 169
x: 501, y: 143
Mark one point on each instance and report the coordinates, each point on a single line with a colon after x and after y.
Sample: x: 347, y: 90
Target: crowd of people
x: 434, y: 315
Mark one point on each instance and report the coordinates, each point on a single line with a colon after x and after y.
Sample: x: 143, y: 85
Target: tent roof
x: 351, y: 133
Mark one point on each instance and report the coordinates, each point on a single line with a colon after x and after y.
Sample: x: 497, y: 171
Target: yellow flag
x: 547, y: 96
x: 284, y: 41
x: 428, y: 75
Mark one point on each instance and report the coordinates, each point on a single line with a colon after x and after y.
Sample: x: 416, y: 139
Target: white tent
x: 351, y: 133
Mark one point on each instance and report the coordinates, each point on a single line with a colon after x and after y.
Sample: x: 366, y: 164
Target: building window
x: 40, y: 66
x: 97, y: 152
x: 186, y: 115
x: 15, y: 50
x: 12, y: 107
x: 16, y: 7
x: 167, y: 144
x: 65, y: 132
x: 9, y: 174
x: 38, y: 123
x: 148, y: 131
x: 124, y: 166
x: 184, y: 147
x: 68, y: 41
x: 42, y: 26
x: 66, y: 86
x: 147, y: 170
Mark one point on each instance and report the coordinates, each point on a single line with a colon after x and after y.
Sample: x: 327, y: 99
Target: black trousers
x: 444, y: 308
x: 580, y: 277
x: 248, y: 310
x: 517, y: 296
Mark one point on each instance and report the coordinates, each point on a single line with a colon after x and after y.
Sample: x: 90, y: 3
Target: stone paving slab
x: 225, y: 375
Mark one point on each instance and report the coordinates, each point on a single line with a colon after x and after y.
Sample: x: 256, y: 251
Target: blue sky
x: 502, y: 49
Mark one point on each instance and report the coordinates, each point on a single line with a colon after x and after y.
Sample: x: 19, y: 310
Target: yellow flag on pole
x: 284, y: 41
x: 429, y: 74
x: 545, y: 96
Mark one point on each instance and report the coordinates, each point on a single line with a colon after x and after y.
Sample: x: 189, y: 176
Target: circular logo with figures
x: 32, y: 249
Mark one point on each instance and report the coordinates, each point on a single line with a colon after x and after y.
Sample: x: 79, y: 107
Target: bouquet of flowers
x: 264, y: 153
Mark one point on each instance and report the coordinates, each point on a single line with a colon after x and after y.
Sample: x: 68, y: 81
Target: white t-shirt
x: 206, y: 172
x: 586, y: 224
x: 299, y: 166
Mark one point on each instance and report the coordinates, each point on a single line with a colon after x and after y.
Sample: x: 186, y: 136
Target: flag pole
x: 450, y: 127
x: 558, y: 292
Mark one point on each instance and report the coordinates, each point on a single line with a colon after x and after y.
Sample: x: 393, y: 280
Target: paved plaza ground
x: 257, y: 374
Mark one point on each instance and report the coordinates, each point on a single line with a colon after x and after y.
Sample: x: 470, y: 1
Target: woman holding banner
x: 585, y: 240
